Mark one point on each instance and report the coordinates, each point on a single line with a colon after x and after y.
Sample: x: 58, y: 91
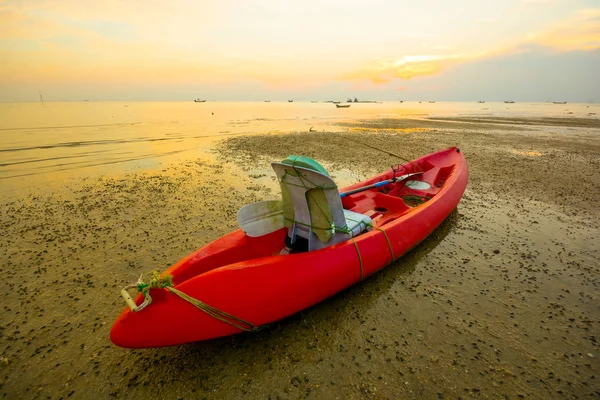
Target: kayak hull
x: 246, y: 277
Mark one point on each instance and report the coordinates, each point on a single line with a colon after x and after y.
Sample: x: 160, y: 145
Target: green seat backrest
x: 320, y: 209
x: 304, y: 162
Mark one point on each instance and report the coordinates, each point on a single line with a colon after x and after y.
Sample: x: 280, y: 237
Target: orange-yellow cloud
x: 580, y: 32
x: 406, y: 67
x: 47, y: 49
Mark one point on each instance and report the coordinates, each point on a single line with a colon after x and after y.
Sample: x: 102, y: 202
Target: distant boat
x: 313, y: 101
x: 199, y: 101
x: 509, y: 102
x: 290, y: 101
x: 481, y: 101
x: 267, y: 101
x: 432, y: 101
x: 336, y: 102
x: 559, y: 102
x: 401, y: 101
x: 342, y: 105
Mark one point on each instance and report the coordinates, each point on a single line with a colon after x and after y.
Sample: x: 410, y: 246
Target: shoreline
x: 500, y: 300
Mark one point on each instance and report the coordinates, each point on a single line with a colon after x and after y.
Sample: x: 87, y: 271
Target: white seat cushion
x: 357, y: 223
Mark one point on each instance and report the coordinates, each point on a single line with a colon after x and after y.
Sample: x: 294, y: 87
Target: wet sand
x: 500, y: 301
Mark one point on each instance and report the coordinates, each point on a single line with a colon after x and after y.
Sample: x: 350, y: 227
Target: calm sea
x: 58, y: 141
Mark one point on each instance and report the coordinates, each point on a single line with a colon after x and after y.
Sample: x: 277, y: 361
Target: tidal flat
x: 501, y: 301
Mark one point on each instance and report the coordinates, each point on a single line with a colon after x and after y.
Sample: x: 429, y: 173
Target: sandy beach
x: 501, y: 301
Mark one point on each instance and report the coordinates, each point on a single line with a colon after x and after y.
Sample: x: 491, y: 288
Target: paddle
x: 264, y: 217
x: 378, y: 184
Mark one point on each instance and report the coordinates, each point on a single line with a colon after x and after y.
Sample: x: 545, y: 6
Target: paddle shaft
x: 378, y: 184
x: 360, y: 189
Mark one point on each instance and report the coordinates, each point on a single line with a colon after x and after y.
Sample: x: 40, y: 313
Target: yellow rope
x: 359, y: 259
x: 388, y: 242
x: 166, y: 282
x: 216, y: 313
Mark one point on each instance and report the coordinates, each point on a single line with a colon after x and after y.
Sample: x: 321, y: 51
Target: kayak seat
x: 312, y: 208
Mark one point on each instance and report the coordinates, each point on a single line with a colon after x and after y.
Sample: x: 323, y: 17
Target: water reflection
x: 59, y: 141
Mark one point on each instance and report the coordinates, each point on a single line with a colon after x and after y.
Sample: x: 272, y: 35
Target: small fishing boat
x: 293, y: 253
x: 199, y: 101
x: 509, y: 102
x: 342, y: 105
x: 290, y: 101
x: 559, y: 102
x: 267, y: 101
x: 481, y: 101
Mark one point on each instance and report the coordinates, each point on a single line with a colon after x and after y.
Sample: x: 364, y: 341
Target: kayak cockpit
x: 316, y: 215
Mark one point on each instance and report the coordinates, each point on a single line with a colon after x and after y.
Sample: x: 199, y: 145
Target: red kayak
x: 245, y: 280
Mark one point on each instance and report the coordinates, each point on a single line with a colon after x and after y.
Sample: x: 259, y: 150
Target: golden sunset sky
x: 463, y: 50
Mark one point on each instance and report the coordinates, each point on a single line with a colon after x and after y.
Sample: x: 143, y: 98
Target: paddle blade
x: 264, y: 217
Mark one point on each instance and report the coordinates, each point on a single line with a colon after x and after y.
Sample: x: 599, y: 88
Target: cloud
x: 579, y: 32
x: 18, y: 25
x: 538, y: 1
x: 405, y: 67
x: 60, y: 41
x: 38, y: 43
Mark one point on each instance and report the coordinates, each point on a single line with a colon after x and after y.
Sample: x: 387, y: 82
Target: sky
x: 254, y: 50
